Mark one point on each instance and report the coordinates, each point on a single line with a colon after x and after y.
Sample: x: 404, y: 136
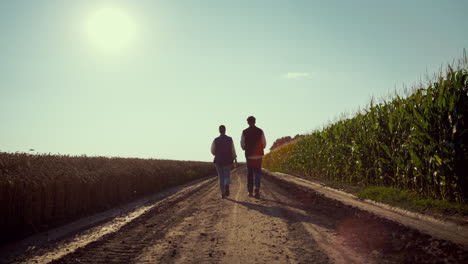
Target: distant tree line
x: 284, y: 140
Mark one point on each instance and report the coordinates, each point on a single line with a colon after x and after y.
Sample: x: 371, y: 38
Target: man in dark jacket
x: 225, y: 155
x: 253, y: 142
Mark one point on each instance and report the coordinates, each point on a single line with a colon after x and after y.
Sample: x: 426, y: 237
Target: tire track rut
x: 126, y: 244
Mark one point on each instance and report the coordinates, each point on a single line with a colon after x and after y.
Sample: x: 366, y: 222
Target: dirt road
x: 284, y: 226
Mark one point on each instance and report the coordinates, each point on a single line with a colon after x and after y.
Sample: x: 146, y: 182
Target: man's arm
x: 263, y: 140
x: 213, y: 148
x: 242, y: 142
x: 234, y: 154
x: 233, y: 151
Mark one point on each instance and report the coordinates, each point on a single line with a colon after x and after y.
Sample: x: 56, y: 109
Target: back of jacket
x: 253, y: 142
x: 223, y: 150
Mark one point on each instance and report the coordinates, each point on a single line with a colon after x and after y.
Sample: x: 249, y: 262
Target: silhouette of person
x: 225, y: 156
x: 253, y: 142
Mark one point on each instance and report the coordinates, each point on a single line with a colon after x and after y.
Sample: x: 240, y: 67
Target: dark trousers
x: 254, y: 167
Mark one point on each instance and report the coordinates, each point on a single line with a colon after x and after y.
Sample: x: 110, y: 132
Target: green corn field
x: 38, y: 192
x: 418, y: 143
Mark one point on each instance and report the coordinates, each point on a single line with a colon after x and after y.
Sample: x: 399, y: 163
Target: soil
x: 289, y: 223
x: 451, y: 217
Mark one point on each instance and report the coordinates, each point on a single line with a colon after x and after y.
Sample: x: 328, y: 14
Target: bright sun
x: 110, y: 29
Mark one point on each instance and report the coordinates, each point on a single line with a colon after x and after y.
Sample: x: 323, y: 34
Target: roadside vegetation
x: 38, y: 192
x: 412, y: 146
x: 411, y: 200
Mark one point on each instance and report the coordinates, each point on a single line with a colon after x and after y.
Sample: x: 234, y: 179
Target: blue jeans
x: 224, y: 175
x: 254, y: 169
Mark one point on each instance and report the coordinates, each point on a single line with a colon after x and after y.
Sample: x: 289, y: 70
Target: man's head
x: 222, y: 129
x: 251, y: 120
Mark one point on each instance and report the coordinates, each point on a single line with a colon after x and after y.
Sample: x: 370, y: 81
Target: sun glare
x: 110, y: 29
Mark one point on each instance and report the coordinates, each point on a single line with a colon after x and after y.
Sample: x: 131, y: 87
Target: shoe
x: 257, y: 194
x: 226, y: 190
x: 250, y: 194
x: 223, y: 196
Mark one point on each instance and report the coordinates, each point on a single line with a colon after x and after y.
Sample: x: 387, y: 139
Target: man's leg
x: 258, y: 176
x: 227, y: 179
x: 220, y: 171
x: 249, y: 179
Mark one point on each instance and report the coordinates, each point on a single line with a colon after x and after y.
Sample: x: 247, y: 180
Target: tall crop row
x: 41, y: 191
x: 418, y: 143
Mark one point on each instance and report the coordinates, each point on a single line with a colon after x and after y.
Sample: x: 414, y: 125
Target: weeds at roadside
x: 413, y: 201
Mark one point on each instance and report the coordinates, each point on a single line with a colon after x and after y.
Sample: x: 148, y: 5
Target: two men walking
x: 252, y: 142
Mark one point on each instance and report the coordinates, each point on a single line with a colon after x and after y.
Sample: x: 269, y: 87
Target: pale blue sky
x: 193, y: 65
